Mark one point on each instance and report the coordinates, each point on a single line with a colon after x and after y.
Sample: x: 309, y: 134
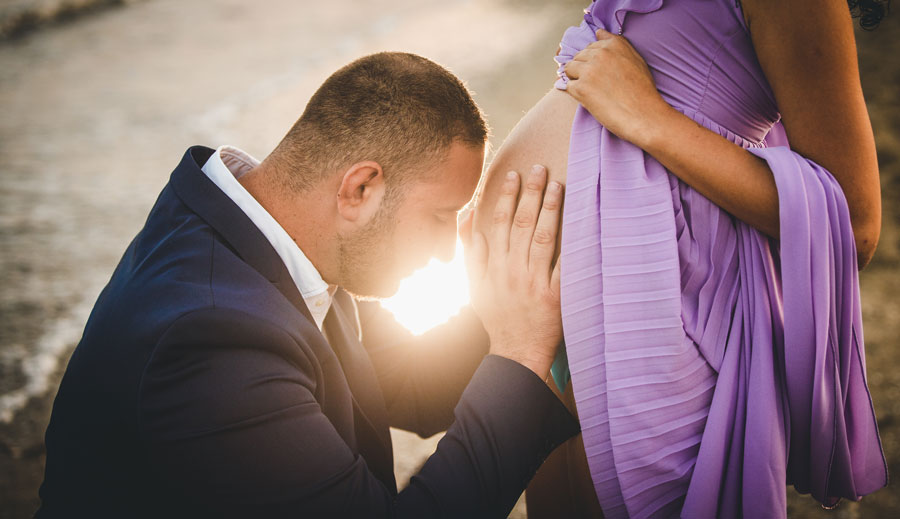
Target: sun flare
x: 431, y: 295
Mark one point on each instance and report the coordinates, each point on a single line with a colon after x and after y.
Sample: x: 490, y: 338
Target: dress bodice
x: 702, y: 60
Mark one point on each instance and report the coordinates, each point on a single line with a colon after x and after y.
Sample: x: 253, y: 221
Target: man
x: 222, y: 374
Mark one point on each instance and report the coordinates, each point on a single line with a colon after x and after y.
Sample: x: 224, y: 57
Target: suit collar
x: 203, y: 197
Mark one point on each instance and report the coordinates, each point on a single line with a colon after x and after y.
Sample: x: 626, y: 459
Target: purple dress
x: 710, y: 364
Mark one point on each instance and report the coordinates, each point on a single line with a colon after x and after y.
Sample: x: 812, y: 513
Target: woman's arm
x: 807, y: 52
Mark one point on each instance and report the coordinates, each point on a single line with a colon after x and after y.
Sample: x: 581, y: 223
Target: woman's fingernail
x: 537, y: 168
x: 555, y: 186
x: 512, y: 175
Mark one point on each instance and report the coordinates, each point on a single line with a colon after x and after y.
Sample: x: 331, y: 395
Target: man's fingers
x: 476, y: 253
x: 543, y: 243
x: 464, y: 226
x: 503, y: 214
x: 555, y: 278
x: 526, y: 216
x: 474, y: 248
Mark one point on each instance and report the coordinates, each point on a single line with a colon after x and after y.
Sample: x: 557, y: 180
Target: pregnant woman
x: 722, y: 192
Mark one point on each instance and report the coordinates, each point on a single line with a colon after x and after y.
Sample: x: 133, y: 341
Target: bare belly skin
x: 541, y: 137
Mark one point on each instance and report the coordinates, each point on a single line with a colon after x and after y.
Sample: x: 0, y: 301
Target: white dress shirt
x: 227, y: 165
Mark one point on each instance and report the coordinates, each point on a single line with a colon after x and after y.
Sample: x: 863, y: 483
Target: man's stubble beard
x: 368, y: 261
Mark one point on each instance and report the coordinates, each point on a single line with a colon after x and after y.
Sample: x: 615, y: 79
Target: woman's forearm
x: 807, y: 50
x: 730, y: 176
x: 611, y: 80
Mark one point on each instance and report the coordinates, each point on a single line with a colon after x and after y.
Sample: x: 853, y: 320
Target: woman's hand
x: 612, y: 81
x: 513, y: 280
x: 614, y: 84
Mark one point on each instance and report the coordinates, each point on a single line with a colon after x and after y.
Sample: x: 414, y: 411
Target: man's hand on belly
x: 514, y: 279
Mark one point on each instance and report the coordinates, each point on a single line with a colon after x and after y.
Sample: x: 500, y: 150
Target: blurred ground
x: 18, y: 17
x: 97, y: 111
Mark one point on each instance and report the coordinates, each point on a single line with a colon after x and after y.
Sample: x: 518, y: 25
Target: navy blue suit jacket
x: 202, y: 387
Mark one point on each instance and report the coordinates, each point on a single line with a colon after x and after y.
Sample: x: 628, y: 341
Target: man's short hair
x: 398, y: 109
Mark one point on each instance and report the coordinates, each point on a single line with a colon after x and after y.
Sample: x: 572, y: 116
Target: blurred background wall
x: 100, y: 98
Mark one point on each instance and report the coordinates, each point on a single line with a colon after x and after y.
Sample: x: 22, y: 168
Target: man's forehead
x: 457, y: 176
x: 448, y: 192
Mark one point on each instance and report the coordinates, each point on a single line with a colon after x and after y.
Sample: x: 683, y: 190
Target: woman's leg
x: 562, y: 487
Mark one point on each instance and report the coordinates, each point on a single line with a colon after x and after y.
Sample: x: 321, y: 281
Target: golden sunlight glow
x: 431, y: 295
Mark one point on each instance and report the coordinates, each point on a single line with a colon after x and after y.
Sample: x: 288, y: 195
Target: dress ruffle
x: 579, y: 37
x: 628, y: 6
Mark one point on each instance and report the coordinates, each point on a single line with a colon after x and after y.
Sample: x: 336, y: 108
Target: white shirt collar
x: 227, y: 165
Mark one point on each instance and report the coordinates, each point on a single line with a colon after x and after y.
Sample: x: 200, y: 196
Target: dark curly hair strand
x: 869, y: 12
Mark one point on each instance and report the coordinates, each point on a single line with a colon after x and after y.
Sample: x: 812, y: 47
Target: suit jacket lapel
x: 370, y: 414
x: 199, y: 193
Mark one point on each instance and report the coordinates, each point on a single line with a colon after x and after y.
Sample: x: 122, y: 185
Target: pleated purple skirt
x: 710, y: 364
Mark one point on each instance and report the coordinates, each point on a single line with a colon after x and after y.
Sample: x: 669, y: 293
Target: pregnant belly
x: 541, y: 137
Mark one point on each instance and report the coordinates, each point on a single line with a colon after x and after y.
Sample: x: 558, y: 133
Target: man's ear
x: 360, y: 193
